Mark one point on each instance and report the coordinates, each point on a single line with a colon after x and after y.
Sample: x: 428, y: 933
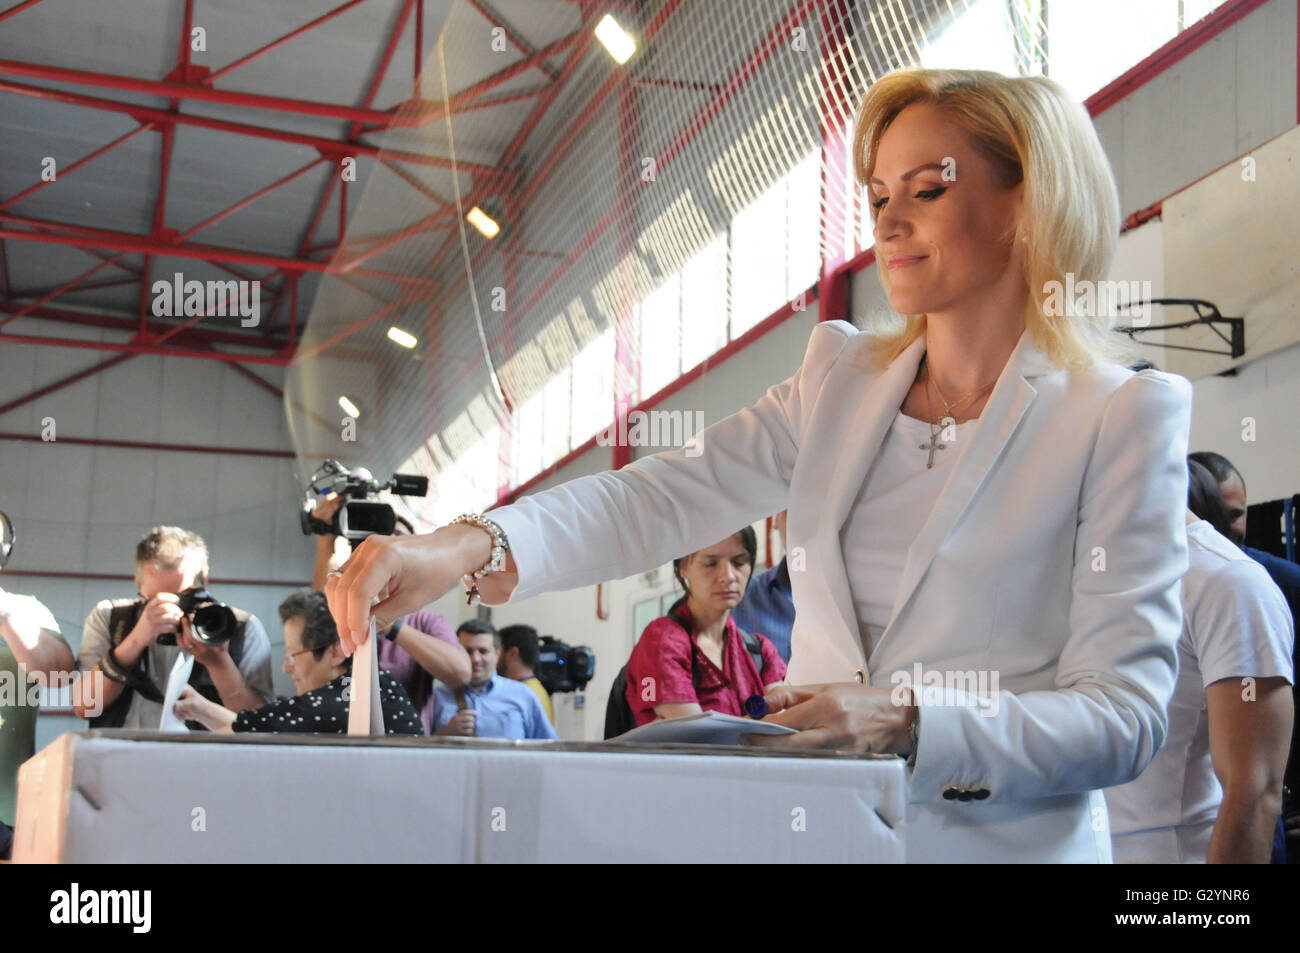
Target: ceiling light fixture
x: 616, y: 40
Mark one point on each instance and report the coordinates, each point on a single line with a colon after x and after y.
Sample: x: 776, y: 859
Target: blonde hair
x: 1031, y: 130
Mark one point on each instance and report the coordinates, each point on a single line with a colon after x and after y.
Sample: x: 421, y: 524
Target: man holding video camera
x: 131, y: 645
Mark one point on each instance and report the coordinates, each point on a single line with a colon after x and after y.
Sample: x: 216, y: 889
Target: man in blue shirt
x: 490, y: 706
x: 767, y: 607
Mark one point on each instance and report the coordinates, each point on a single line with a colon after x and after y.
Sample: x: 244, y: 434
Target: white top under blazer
x: 895, y: 500
x: 1052, y: 556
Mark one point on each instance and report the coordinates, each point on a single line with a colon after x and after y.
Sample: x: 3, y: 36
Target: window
x: 659, y: 320
x: 556, y: 417
x: 526, y: 439
x: 704, y: 303
x: 593, y: 389
x: 758, y: 259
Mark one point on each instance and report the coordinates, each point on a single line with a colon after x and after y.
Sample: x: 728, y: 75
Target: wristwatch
x: 914, y: 737
x: 112, y: 668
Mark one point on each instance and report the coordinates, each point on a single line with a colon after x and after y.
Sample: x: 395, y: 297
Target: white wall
x: 82, y: 509
x: 1267, y: 394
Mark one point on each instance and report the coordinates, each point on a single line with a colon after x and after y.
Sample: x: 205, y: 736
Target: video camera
x: 361, y: 514
x: 562, y: 667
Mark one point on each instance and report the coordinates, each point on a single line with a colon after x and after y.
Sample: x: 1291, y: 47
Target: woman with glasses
x: 320, y: 671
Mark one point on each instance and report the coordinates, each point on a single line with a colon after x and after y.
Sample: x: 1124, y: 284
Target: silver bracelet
x: 496, y: 561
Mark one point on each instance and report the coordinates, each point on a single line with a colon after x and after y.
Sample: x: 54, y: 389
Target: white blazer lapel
x: 846, y: 429
x: 1002, y: 414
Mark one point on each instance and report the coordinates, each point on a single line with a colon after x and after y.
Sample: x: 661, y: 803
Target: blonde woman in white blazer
x: 1046, y: 535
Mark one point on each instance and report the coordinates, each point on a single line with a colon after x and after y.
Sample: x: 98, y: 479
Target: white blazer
x: 1052, y: 558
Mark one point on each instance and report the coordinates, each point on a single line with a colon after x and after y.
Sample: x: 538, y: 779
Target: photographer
x: 134, y: 643
x: 30, y: 645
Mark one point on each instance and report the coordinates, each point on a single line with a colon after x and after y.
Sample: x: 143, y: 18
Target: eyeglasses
x: 289, y: 656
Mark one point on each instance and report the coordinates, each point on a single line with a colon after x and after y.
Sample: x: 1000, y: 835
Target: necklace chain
x: 949, y: 405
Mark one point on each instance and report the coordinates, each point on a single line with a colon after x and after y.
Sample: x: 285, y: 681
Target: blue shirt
x: 768, y: 608
x: 1284, y: 572
x: 506, y: 709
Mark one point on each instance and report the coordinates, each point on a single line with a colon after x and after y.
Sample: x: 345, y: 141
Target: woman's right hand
x: 406, y: 573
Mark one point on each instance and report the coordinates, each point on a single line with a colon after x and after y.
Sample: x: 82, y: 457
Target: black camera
x: 211, y: 622
x: 562, y: 667
x: 360, y: 514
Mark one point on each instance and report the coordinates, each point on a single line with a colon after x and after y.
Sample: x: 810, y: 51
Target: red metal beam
x: 323, y: 18
x: 516, y: 39
x: 142, y: 445
x: 160, y: 206
x: 431, y: 111
x: 197, y: 338
x: 27, y: 309
x: 128, y: 243
x: 17, y: 8
x: 414, y: 183
x: 332, y: 147
x: 197, y: 93
x: 419, y: 43
x: 377, y: 80
x: 249, y: 200
x: 626, y: 325
x: 134, y: 348
x: 93, y: 286
x: 64, y: 382
x: 836, y: 112
x: 74, y: 166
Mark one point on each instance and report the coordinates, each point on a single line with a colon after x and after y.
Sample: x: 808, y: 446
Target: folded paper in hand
x: 706, y: 728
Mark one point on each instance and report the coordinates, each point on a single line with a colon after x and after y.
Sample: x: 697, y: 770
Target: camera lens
x: 214, y: 623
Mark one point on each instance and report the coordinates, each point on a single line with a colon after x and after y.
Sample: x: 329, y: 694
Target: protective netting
x: 649, y: 213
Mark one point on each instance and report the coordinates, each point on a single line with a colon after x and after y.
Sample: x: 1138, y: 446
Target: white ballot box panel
x: 128, y: 801
x: 650, y: 808
x: 120, y: 796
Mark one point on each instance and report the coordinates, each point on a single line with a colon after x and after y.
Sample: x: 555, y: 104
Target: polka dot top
x: 324, y: 711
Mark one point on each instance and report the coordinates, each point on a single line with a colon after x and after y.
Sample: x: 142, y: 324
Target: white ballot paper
x: 706, y: 728
x: 176, y: 683
x: 365, y: 713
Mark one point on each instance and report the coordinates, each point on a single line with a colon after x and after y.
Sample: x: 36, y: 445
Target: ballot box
x: 132, y: 796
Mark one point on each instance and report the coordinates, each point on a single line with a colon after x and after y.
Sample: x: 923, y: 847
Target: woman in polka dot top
x: 321, y: 673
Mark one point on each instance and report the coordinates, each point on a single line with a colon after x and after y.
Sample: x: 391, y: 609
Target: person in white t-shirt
x: 1213, y: 793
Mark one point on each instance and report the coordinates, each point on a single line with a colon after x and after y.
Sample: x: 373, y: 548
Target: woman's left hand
x: 191, y: 706
x: 842, y: 717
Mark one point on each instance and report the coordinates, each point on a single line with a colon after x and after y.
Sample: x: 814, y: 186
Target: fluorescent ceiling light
x: 615, y: 38
x: 349, y: 408
x: 480, y: 220
x: 398, y: 336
